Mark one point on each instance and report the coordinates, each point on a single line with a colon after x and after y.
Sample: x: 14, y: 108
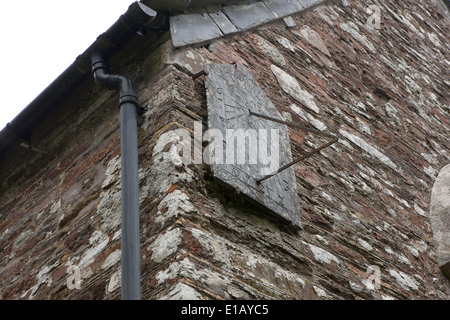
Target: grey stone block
x: 193, y: 28
x: 248, y: 16
x: 309, y: 3
x: 290, y: 23
x: 283, y: 8
x: 223, y: 23
x: 440, y: 219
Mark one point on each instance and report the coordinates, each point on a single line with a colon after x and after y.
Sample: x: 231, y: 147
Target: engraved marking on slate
x: 231, y: 94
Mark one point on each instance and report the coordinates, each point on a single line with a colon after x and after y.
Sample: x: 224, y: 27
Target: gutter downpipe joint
x: 129, y: 108
x: 133, y: 22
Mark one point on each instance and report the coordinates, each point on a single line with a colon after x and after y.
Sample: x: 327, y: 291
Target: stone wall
x: 364, y: 201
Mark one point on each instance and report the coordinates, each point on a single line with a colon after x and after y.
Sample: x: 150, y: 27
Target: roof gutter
x: 20, y: 129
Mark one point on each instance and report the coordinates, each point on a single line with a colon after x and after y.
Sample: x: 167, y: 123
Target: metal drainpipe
x: 129, y: 175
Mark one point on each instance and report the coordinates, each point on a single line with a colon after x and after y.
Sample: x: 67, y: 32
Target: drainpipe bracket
x: 131, y: 98
x: 128, y: 98
x: 141, y: 110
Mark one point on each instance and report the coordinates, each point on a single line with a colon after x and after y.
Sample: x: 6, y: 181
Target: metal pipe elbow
x: 100, y: 70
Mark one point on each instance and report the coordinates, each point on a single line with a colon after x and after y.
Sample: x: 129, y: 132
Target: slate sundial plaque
x: 231, y: 94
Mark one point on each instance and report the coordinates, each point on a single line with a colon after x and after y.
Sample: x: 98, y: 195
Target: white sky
x: 40, y: 39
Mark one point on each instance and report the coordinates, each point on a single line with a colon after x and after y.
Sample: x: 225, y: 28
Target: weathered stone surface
x: 313, y: 38
x: 283, y: 8
x: 290, y: 23
x: 372, y: 151
x: 440, y: 218
x: 232, y: 94
x: 223, y: 23
x: 189, y: 59
x: 316, y: 123
x: 193, y: 28
x: 165, y: 245
x: 182, y: 291
x: 248, y: 16
x: 232, y: 19
x: 308, y: 3
x: 291, y: 86
x: 271, y: 51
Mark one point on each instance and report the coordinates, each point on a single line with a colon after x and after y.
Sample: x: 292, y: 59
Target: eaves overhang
x: 108, y: 44
x: 124, y: 30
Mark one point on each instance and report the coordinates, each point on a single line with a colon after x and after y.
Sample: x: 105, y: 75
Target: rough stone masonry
x: 364, y: 202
